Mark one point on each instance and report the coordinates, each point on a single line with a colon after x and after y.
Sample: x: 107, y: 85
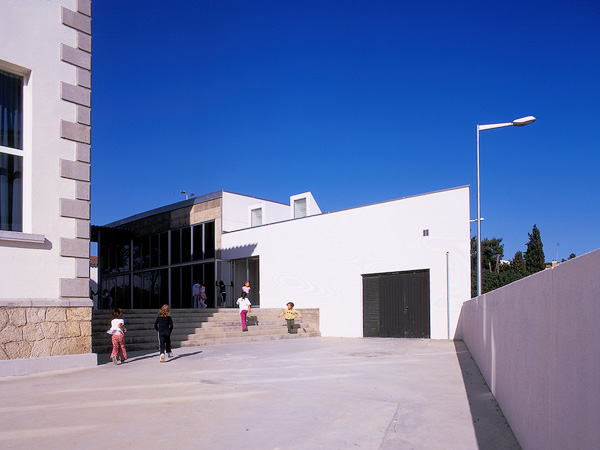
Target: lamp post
x: 187, y: 196
x: 517, y: 123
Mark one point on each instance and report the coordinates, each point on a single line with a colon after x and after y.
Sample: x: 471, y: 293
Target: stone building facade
x: 45, y: 193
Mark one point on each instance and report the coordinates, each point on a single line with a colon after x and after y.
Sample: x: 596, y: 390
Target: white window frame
x: 25, y: 153
x: 298, y: 202
x: 262, y: 220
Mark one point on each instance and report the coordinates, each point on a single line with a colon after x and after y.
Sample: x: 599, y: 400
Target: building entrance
x: 396, y: 305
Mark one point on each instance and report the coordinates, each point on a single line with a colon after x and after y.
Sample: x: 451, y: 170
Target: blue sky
x: 356, y: 101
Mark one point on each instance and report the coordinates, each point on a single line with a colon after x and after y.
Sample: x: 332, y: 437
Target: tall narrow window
x: 256, y: 217
x: 186, y: 244
x: 209, y: 240
x: 299, y: 208
x: 197, y: 245
x: 175, y: 246
x: 11, y: 152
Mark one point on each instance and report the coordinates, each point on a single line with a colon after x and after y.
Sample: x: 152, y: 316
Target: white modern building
x: 399, y: 268
x: 45, y: 118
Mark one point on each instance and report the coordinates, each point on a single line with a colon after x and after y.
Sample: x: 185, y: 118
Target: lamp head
x: 523, y: 121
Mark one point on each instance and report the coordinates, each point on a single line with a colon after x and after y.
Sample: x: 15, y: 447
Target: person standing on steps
x: 245, y: 307
x: 203, y: 296
x: 246, y: 288
x: 196, y: 295
x: 290, y: 315
x: 164, y: 326
x: 223, y: 292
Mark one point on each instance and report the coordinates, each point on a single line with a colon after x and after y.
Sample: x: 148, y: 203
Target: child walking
x: 164, y: 326
x: 290, y: 314
x: 117, y: 329
x: 246, y: 288
x: 244, y: 305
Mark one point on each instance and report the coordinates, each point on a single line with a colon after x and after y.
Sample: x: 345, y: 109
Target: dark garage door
x: 396, y: 304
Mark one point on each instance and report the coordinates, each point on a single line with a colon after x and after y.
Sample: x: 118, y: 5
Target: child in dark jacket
x: 164, y: 326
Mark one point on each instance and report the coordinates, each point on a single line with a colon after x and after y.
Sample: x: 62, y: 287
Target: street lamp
x: 187, y: 196
x: 517, y: 123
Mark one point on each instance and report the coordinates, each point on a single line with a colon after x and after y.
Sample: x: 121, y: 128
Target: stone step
x: 205, y: 311
x: 251, y: 338
x: 193, y: 319
x: 198, y: 326
x: 202, y: 332
x: 240, y: 338
x: 195, y: 315
x: 150, y: 332
x: 149, y: 319
x: 194, y: 327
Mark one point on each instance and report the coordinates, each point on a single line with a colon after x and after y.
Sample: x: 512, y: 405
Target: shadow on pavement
x: 104, y: 358
x: 491, y: 427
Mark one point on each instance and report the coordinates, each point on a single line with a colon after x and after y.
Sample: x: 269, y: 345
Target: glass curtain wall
x: 149, y: 271
x: 115, y: 268
x: 247, y: 269
x: 224, y: 274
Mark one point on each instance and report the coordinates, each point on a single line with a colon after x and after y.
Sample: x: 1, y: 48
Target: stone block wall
x: 32, y: 332
x: 79, y: 132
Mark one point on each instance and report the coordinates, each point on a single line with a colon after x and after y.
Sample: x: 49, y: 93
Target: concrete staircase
x: 199, y: 327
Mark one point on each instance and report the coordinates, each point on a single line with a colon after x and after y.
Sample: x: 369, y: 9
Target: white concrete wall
x: 312, y: 208
x: 317, y: 261
x: 271, y: 212
x: 536, y: 342
x: 31, y: 33
x: 236, y: 211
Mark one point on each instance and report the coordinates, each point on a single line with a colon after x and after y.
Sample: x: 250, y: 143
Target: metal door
x: 396, y: 304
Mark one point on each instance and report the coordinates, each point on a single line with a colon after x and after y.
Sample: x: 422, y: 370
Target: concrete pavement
x: 318, y: 393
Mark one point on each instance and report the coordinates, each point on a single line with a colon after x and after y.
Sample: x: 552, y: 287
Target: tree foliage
x: 494, y: 274
x: 518, y: 263
x: 534, y: 256
x: 492, y: 251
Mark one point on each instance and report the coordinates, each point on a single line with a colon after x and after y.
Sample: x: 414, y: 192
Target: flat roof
x: 353, y: 207
x: 219, y: 194
x: 181, y: 204
x: 163, y: 209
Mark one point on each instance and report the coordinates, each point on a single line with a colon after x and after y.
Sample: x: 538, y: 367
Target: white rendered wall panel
x: 236, y: 211
x: 30, y: 36
x: 536, y: 343
x: 318, y: 261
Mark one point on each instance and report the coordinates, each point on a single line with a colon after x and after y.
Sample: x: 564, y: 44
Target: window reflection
x: 186, y: 244
x: 139, y: 272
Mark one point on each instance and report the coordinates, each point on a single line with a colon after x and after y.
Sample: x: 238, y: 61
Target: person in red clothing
x: 246, y: 288
x: 118, y: 330
x: 245, y: 308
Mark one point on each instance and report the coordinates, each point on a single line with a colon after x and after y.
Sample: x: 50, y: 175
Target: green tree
x: 534, y: 256
x: 572, y: 255
x: 518, y: 263
x: 492, y: 251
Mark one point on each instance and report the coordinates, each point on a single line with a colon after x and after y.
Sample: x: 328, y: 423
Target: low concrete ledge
x: 15, y: 367
x: 46, y: 302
